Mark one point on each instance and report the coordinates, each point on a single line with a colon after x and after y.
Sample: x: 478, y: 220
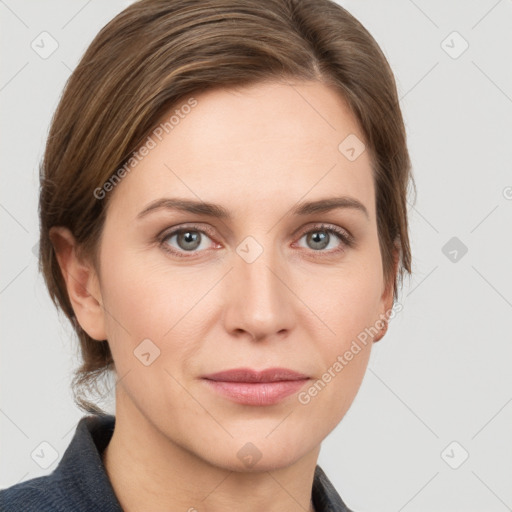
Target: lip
x: 250, y: 375
x: 252, y: 387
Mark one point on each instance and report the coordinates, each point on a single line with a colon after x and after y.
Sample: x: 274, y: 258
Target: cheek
x: 138, y: 292
x: 345, y: 354
x: 349, y: 303
x: 148, y: 300
x: 350, y: 309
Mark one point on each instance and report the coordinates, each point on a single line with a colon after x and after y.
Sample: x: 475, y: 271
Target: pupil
x: 319, y: 238
x: 190, y: 239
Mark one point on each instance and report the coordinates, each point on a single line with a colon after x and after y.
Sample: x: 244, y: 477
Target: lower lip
x: 257, y: 393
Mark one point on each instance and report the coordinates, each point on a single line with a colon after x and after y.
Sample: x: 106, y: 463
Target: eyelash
x: 341, y: 234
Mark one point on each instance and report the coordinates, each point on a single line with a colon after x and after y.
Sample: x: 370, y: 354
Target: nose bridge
x: 256, y: 267
x: 259, y: 296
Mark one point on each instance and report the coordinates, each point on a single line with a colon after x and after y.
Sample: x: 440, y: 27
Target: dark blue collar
x: 80, y: 482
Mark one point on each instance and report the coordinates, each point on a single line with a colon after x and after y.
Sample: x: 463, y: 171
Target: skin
x: 257, y: 151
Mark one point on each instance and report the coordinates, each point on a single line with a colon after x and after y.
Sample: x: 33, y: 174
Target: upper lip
x: 250, y: 375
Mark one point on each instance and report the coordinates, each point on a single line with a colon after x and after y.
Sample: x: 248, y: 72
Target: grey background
x: 440, y: 375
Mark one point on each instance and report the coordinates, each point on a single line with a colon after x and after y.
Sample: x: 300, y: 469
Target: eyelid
x: 343, y: 233
x: 345, y: 237
x: 183, y: 227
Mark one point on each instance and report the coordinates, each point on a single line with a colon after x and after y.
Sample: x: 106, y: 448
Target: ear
x: 387, y: 294
x: 82, y: 284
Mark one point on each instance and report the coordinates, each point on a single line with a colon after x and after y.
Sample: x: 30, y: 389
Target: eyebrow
x: 218, y: 211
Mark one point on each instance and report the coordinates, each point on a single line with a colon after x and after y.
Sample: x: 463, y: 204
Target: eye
x: 193, y: 239
x: 327, y: 237
x: 186, y: 239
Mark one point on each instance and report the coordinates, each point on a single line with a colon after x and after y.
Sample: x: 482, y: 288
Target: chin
x: 243, y: 456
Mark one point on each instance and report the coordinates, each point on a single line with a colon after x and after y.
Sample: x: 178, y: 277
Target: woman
x: 224, y: 221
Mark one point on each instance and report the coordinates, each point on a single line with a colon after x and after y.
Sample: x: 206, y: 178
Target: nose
x: 259, y: 300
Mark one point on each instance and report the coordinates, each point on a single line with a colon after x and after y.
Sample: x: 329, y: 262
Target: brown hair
x: 154, y: 54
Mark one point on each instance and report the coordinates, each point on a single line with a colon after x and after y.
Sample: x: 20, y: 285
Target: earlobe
x: 82, y: 283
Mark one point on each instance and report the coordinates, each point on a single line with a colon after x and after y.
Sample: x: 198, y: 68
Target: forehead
x: 269, y: 142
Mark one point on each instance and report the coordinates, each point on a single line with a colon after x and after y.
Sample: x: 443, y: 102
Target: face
x: 271, y: 283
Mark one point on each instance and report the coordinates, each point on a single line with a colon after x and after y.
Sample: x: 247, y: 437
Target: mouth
x: 252, y: 387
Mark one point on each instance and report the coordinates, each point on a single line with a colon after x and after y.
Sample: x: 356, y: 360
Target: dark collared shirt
x: 80, y: 483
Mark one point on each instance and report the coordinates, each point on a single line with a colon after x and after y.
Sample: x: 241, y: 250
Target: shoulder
x: 78, y: 483
x: 35, y: 495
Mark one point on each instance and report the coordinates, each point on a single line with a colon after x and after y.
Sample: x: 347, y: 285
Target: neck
x: 149, y: 471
